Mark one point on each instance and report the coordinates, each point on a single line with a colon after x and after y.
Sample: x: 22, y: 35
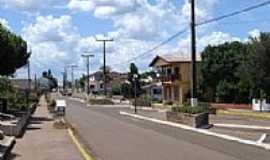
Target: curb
x: 82, y: 151
x: 240, y: 126
x: 257, y: 115
x: 202, y: 131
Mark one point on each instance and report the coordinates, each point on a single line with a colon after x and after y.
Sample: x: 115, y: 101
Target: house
x: 174, y: 73
x: 154, y: 90
x: 22, y: 84
x: 96, y: 81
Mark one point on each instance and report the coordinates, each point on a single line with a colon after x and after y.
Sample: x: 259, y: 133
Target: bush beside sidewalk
x: 42, y: 141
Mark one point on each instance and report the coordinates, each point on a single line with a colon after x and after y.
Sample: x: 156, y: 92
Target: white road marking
x: 242, y: 126
x: 262, y: 138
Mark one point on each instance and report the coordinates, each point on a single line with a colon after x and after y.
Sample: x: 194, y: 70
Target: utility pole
x: 72, y: 75
x: 64, y: 83
x: 135, y: 77
x: 193, y: 56
x: 104, y: 62
x: 35, y: 82
x: 29, y: 82
x: 87, y: 56
x: 65, y: 79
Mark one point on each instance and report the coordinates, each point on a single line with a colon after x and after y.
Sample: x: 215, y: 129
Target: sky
x: 58, y: 32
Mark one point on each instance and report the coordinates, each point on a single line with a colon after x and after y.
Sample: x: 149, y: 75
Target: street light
x: 135, y: 76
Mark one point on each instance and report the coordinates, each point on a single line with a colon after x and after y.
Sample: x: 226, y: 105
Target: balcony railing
x: 171, y: 77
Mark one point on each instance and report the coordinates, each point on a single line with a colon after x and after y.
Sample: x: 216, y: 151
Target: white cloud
x: 50, y: 29
x: 212, y: 38
x: 56, y: 42
x: 254, y: 33
x: 4, y: 22
x: 53, y: 41
x: 31, y: 5
x: 81, y: 5
x: 136, y: 19
x: 216, y: 38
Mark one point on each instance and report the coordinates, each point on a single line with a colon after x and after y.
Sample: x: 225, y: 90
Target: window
x: 177, y: 73
x: 169, y: 71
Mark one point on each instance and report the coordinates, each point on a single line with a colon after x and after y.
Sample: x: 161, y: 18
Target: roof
x: 173, y: 58
x: 111, y: 75
x: 157, y: 84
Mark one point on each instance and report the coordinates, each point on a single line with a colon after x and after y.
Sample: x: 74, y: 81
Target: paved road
x: 114, y: 137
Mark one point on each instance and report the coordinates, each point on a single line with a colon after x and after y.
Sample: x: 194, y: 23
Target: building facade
x: 96, y: 81
x: 174, y: 73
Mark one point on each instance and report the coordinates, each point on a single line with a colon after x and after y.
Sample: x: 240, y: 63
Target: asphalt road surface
x: 111, y: 136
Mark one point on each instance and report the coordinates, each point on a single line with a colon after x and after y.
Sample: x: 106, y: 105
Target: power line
x: 155, y: 47
x: 234, y: 13
x: 199, y: 24
x: 245, y: 22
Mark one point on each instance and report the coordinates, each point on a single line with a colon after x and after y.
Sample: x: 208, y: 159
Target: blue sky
x: 59, y: 31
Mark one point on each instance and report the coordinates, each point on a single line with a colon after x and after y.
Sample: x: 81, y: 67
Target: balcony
x: 171, y: 77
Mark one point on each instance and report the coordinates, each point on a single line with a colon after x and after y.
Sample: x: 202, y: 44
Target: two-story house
x: 174, y: 71
x: 96, y: 81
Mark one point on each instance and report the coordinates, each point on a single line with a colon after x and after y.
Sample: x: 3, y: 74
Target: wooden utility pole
x: 65, y: 79
x: 193, y: 56
x: 29, y: 82
x: 72, y: 75
x: 104, y: 62
x: 87, y: 56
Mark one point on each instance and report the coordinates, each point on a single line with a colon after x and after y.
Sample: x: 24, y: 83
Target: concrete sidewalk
x: 43, y: 142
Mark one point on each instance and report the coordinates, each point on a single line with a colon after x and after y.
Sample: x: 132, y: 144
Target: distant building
x: 22, y: 84
x: 96, y: 81
x: 154, y: 90
x: 175, y: 71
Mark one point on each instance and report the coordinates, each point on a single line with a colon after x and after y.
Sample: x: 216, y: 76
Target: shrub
x: 103, y: 101
x: 143, y: 101
x: 168, y: 103
x: 116, y: 89
x: 190, y: 110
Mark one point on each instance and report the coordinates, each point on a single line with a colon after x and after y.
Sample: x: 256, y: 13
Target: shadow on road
x: 12, y: 156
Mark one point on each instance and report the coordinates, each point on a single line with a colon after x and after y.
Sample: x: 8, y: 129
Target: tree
x: 127, y: 90
x: 82, y: 81
x: 116, y: 88
x: 147, y: 74
x: 220, y: 71
x: 6, y: 88
x: 257, y: 71
x: 47, y: 81
x: 107, y: 69
x: 133, y: 70
x: 13, y: 52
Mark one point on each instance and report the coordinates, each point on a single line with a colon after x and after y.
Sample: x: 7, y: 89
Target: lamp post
x: 135, y: 76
